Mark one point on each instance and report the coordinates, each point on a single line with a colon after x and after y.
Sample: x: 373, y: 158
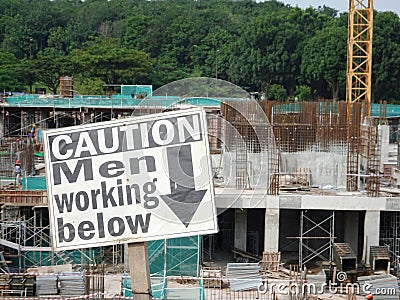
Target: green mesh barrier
x: 181, y: 255
x: 160, y: 289
x: 45, y: 258
x: 116, y: 101
x: 136, y: 91
x: 34, y: 183
x: 158, y: 284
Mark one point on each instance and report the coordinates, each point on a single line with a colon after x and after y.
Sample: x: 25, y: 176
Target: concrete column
x: 351, y: 219
x: 384, y: 132
x: 240, y: 229
x: 271, y: 236
x: 126, y: 258
x: 371, y: 230
x: 87, y: 116
x: 1, y: 124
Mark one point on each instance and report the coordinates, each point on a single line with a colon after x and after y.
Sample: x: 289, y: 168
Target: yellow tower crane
x: 359, y: 56
x: 358, y: 84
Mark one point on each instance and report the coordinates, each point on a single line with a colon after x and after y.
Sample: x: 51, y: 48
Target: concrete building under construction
x: 294, y: 178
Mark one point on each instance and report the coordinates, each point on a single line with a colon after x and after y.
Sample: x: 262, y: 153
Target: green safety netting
x: 48, y: 258
x: 158, y: 284
x: 116, y: 101
x: 160, y: 289
x: 137, y: 91
x: 392, y: 110
x: 171, y: 257
x: 34, y: 183
x: 175, y: 257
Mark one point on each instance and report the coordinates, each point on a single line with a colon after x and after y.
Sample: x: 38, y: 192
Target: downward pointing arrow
x: 184, y: 199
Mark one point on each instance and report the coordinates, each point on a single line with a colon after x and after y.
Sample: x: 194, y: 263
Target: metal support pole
x: 140, y: 271
x: 301, y: 240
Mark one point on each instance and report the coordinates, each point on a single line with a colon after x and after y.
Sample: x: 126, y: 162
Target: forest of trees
x: 266, y: 46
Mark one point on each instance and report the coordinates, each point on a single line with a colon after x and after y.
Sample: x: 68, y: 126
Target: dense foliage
x: 261, y: 46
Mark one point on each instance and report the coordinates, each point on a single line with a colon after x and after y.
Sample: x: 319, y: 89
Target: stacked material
x: 23, y: 283
x: 345, y: 258
x: 243, y: 276
x: 4, y: 281
x: 317, y: 280
x: 380, y: 259
x: 382, y: 287
x: 72, y: 284
x: 46, y: 285
x: 270, y: 261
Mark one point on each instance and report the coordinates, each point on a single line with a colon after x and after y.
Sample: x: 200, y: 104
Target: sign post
x: 140, y: 271
x: 130, y: 181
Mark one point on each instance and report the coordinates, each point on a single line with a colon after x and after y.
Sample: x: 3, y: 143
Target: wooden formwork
x: 23, y: 198
x: 271, y: 261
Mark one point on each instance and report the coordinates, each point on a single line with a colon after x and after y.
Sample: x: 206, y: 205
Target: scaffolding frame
x: 389, y: 235
x: 30, y: 238
x: 371, y: 152
x: 308, y: 227
x: 354, y: 116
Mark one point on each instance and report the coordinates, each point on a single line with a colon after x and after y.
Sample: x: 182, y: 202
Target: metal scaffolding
x: 371, y: 153
x: 317, y: 235
x: 353, y: 143
x: 25, y: 236
x: 389, y: 235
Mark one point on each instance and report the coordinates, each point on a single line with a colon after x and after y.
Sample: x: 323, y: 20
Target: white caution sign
x: 130, y: 180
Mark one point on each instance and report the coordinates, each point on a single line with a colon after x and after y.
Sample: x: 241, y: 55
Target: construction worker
x: 31, y: 134
x: 18, y: 172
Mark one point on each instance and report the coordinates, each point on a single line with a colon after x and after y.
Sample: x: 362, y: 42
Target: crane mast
x: 359, y: 56
x: 358, y: 82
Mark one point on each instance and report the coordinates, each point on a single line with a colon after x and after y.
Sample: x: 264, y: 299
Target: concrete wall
x: 257, y: 168
x: 327, y: 169
x: 371, y: 230
x: 384, y: 131
x: 240, y: 234
x: 351, y: 226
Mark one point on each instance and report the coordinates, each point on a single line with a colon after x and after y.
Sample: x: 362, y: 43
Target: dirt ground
x: 112, y: 286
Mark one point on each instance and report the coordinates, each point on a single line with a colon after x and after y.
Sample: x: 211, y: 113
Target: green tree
x: 303, y: 93
x: 27, y: 72
x: 324, y: 57
x: 266, y: 52
x: 113, y: 64
x: 276, y: 92
x: 386, y: 56
x: 88, y: 86
x: 50, y: 65
x: 9, y: 75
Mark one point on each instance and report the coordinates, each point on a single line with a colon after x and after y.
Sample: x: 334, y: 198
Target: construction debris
x: 382, y: 287
x: 271, y: 261
x: 46, y: 285
x: 243, y: 276
x: 380, y: 259
x: 72, y: 284
x: 345, y: 258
